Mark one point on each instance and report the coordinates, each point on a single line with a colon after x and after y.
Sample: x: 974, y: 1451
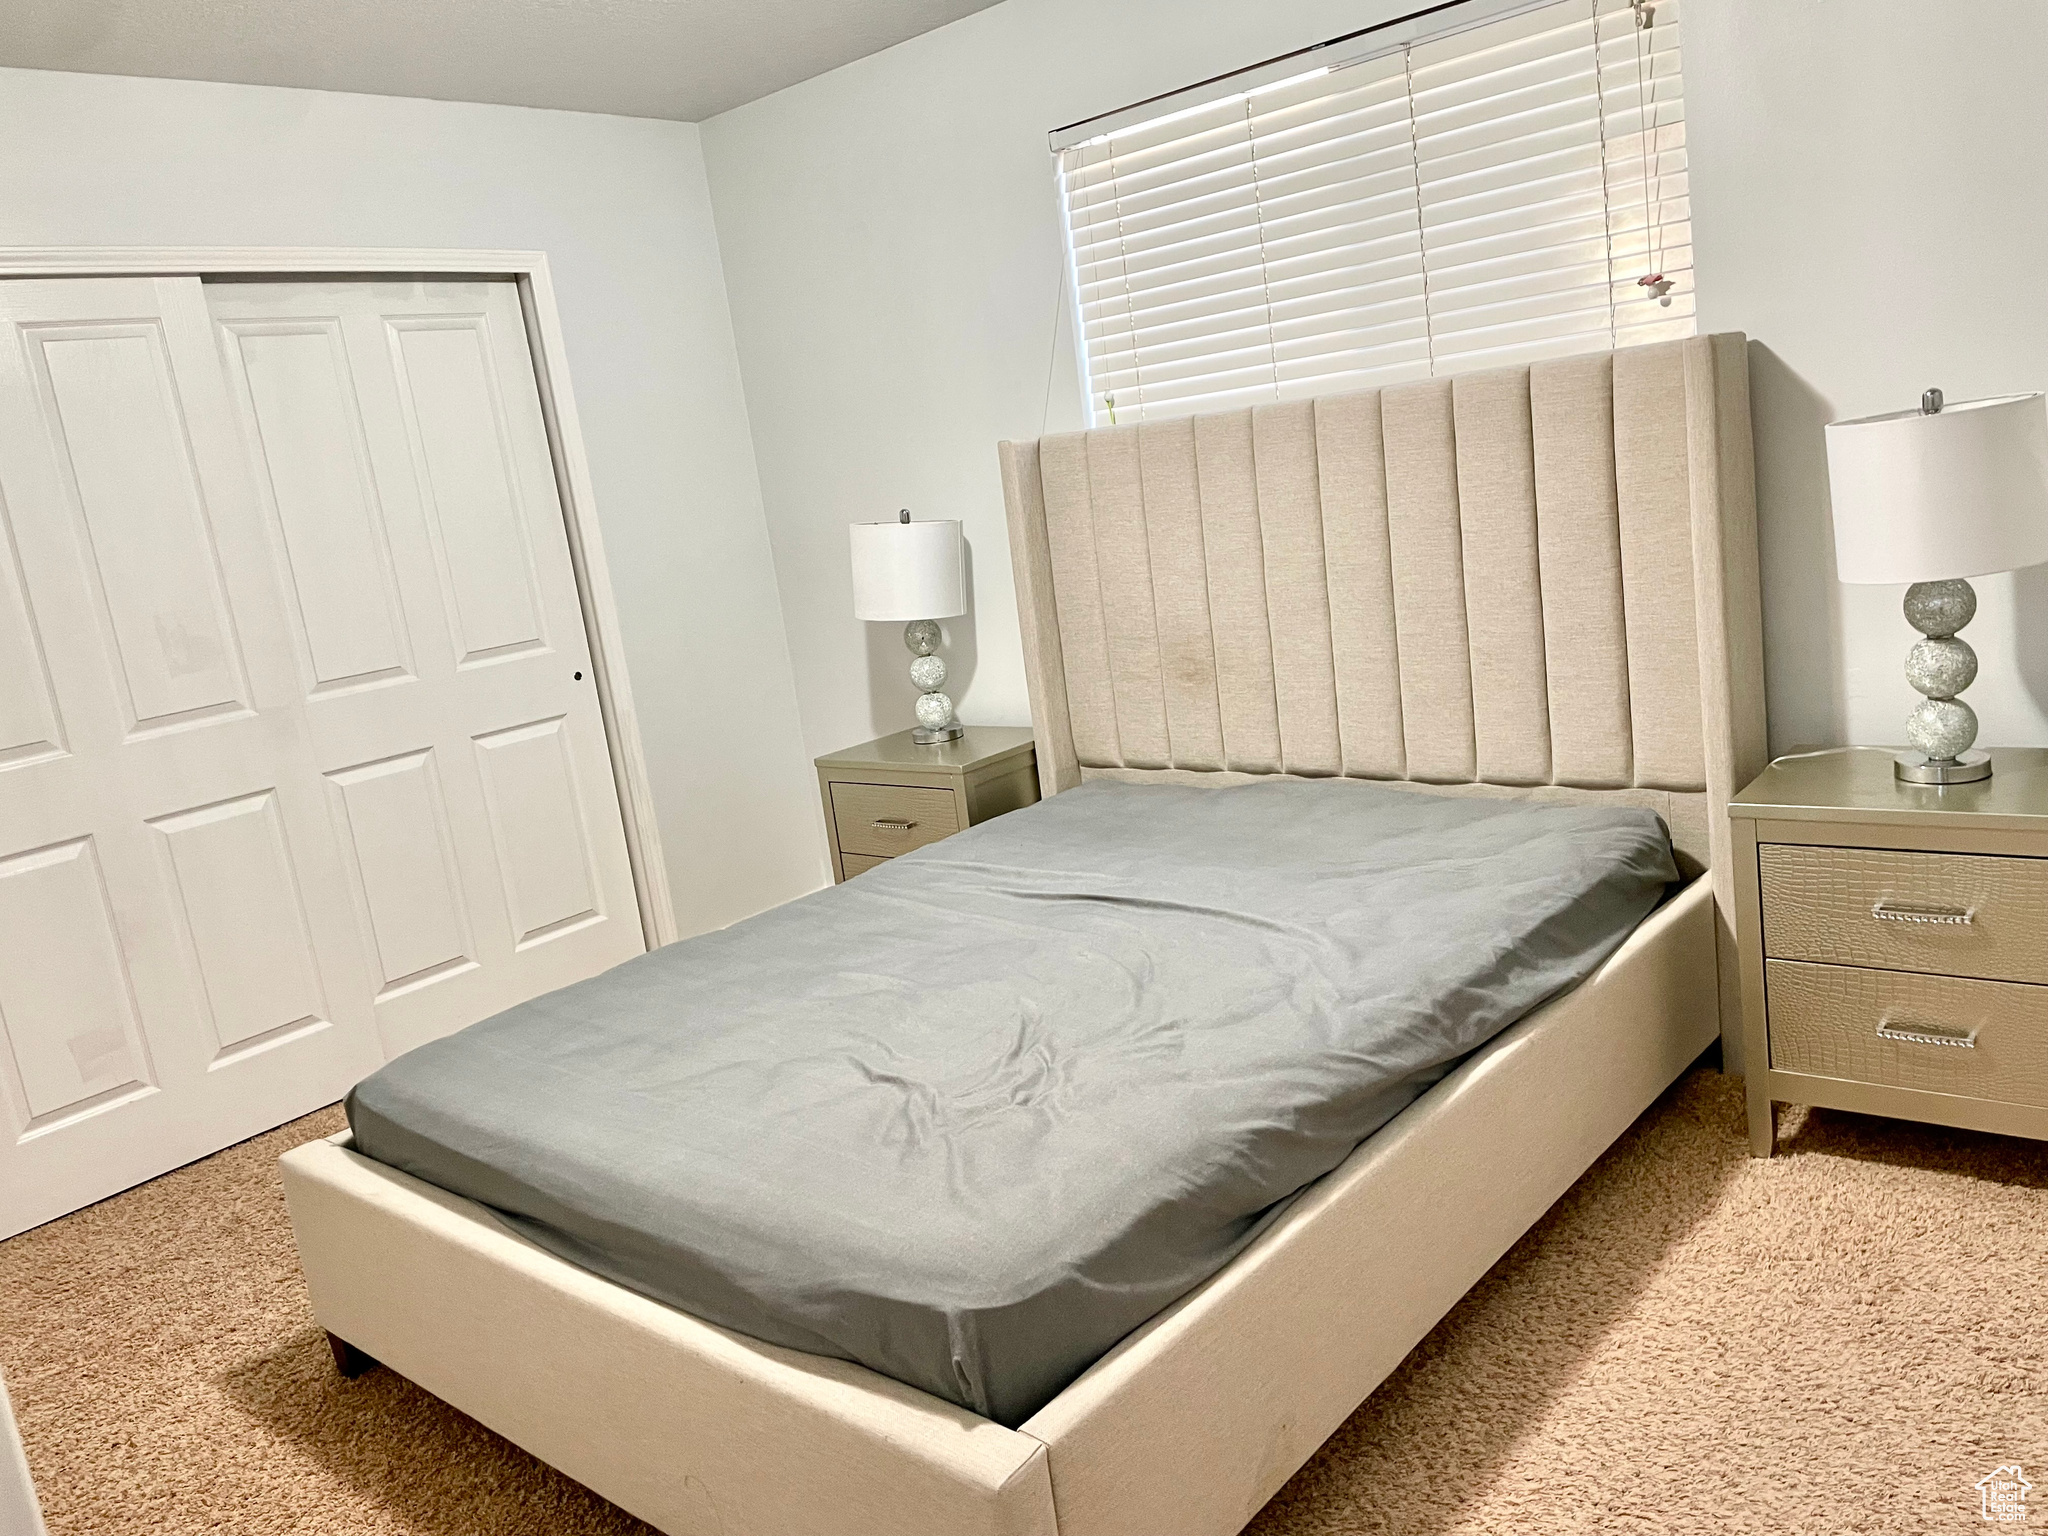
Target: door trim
x: 565, y: 446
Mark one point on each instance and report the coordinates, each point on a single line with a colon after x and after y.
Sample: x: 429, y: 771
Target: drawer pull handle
x: 1891, y: 912
x: 1926, y: 1035
x: 892, y: 824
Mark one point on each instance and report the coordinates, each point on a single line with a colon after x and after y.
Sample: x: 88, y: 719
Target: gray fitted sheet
x: 974, y: 1116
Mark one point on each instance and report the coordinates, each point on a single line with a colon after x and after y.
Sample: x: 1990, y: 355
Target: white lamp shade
x: 908, y: 571
x: 1960, y: 492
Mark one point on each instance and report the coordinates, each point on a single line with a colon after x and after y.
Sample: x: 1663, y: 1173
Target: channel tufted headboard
x: 1538, y: 582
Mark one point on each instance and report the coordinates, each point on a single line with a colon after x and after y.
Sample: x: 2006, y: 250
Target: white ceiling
x: 682, y: 59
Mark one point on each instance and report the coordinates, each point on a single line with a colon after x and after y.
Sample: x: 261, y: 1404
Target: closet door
x: 301, y: 758
x: 179, y: 966
x: 435, y: 635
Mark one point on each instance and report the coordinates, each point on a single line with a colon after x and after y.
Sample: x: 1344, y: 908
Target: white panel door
x: 301, y: 757
x: 403, y: 467
x: 178, y: 961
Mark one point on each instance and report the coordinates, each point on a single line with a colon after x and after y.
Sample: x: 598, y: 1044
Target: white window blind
x: 1489, y: 196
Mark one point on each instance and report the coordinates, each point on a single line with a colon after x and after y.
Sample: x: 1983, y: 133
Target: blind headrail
x: 1390, y: 36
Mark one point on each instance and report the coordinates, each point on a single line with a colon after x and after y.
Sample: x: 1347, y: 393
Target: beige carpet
x: 1844, y: 1338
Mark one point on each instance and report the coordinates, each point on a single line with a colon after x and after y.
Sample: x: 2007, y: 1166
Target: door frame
x: 565, y: 447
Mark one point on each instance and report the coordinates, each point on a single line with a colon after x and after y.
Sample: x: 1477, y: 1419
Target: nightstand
x: 887, y: 797
x: 1894, y: 941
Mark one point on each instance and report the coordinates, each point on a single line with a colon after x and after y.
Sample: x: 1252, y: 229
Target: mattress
x: 974, y: 1116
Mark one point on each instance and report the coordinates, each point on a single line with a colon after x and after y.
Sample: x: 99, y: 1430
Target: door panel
x: 472, y: 792
x: 245, y: 925
x: 30, y: 728
x: 67, y: 1003
x: 313, y: 474
x: 537, y: 828
x: 112, y: 410
x: 407, y: 889
x: 462, y: 465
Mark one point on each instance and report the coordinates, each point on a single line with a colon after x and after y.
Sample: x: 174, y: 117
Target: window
x: 1398, y: 205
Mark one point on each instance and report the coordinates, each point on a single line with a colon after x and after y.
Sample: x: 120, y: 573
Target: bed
x: 1536, y: 583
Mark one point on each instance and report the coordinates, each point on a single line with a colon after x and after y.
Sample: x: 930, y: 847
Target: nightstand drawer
x: 884, y: 820
x: 1978, y: 1039
x: 858, y: 863
x: 1952, y: 914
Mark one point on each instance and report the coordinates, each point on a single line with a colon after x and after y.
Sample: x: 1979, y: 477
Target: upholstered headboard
x: 1538, y: 582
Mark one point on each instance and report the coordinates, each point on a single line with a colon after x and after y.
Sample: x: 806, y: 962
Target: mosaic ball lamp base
x: 1940, y: 667
x: 935, y: 722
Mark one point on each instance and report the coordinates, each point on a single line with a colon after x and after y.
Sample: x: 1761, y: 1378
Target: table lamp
x: 914, y: 572
x: 1932, y: 497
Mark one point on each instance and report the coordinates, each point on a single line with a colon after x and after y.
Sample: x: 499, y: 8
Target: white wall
x: 621, y: 208
x: 1870, y: 196
x: 1870, y: 204
x: 893, y: 251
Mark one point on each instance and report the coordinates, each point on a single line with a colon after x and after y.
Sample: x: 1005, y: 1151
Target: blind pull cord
x: 1654, y: 282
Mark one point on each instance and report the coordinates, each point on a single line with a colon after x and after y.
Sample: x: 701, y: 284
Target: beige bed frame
x: 1534, y: 582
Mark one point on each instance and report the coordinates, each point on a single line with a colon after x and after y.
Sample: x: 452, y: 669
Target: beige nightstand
x: 1895, y: 941
x: 887, y: 797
